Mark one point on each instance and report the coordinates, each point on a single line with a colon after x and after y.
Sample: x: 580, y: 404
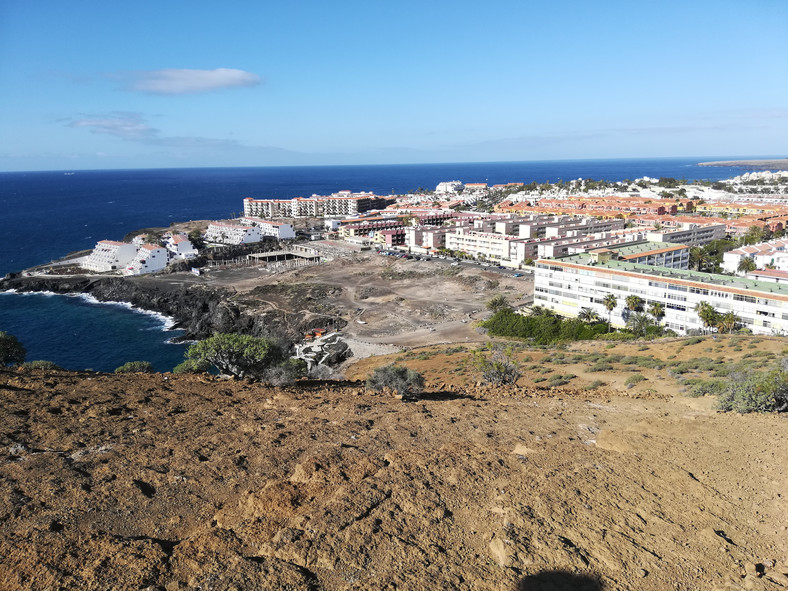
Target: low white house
x: 110, y: 255
x: 149, y: 259
x: 278, y: 230
x: 227, y: 233
x: 180, y: 247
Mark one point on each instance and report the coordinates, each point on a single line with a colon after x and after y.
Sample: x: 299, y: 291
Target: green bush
x: 704, y: 387
x: 192, y: 366
x: 135, y: 367
x: 399, y: 379
x: 595, y: 384
x: 496, y: 365
x: 601, y: 366
x: 634, y: 379
x: 40, y: 364
x: 759, y: 392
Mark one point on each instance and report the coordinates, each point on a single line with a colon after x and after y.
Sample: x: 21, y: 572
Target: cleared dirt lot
x: 384, y: 300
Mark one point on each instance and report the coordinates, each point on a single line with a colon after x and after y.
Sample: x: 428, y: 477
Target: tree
x: 639, y: 323
x: 12, y: 352
x: 634, y: 303
x: 707, y: 314
x: 657, y: 310
x: 588, y: 315
x: 496, y: 365
x: 498, y: 302
x: 241, y: 356
x: 397, y: 378
x: 746, y: 264
x: 609, y: 301
x: 698, y: 258
x: 728, y: 321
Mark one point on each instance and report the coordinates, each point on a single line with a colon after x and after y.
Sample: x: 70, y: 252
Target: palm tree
x: 634, y: 303
x: 657, y: 310
x: 699, y: 258
x: 609, y: 301
x: 588, y: 315
x: 728, y: 321
x: 707, y: 314
x: 746, y: 264
x: 638, y: 323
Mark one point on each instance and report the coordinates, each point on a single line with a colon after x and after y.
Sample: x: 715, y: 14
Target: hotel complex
x: 570, y: 283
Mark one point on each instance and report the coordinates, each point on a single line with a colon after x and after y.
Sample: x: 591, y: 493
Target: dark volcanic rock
x: 201, y: 312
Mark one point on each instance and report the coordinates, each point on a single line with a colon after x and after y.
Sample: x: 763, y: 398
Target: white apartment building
x: 149, y: 259
x: 449, y: 187
x: 278, y: 230
x: 694, y: 236
x: 570, y: 283
x: 227, y: 233
x: 499, y: 248
x: 771, y: 253
x: 180, y: 247
x: 342, y: 203
x: 110, y: 255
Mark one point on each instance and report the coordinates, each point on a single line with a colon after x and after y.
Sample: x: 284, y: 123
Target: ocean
x: 46, y: 215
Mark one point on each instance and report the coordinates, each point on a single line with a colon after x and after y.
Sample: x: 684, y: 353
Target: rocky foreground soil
x: 168, y: 482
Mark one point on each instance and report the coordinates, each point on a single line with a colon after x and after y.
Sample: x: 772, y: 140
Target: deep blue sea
x: 45, y: 215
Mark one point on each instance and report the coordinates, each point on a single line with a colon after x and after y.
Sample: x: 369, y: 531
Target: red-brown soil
x: 170, y: 482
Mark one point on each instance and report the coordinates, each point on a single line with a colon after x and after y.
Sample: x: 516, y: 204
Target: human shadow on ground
x: 558, y: 580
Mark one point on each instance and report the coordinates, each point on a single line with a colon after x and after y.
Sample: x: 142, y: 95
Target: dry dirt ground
x: 191, y: 482
x: 400, y: 302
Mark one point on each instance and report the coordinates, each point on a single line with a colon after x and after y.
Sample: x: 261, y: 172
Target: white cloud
x: 129, y: 126
x: 182, y: 81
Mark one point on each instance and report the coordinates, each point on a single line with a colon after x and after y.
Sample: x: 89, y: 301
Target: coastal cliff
x: 200, y: 311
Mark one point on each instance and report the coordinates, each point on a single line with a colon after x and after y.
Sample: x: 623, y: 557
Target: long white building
x: 149, y: 259
x: 110, y: 255
x: 343, y: 203
x: 570, y: 283
x: 227, y: 233
x: 278, y: 230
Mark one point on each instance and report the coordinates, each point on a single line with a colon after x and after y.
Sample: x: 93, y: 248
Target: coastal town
x: 577, y: 247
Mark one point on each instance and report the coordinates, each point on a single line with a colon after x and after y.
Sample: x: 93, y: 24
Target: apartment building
x: 570, y: 283
x: 110, y: 255
x: 228, y: 233
x: 149, y: 259
x: 180, y: 247
x: 278, y: 230
x: 694, y: 236
x: 343, y: 203
x: 773, y: 253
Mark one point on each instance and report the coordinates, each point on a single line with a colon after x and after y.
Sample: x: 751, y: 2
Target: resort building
x: 694, y: 236
x: 570, y: 283
x: 227, y: 233
x: 343, y: 203
x: 149, y: 259
x: 772, y: 253
x: 109, y: 255
x: 498, y: 248
x: 180, y: 247
x: 278, y: 230
x: 449, y: 187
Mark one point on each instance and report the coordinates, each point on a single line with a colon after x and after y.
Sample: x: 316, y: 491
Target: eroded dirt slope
x: 165, y: 482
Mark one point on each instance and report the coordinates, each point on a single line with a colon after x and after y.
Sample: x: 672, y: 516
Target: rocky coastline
x: 199, y: 311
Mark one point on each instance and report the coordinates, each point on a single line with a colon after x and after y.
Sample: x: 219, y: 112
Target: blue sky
x: 96, y: 84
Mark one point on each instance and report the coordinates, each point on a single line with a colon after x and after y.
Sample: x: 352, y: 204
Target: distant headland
x: 781, y: 163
